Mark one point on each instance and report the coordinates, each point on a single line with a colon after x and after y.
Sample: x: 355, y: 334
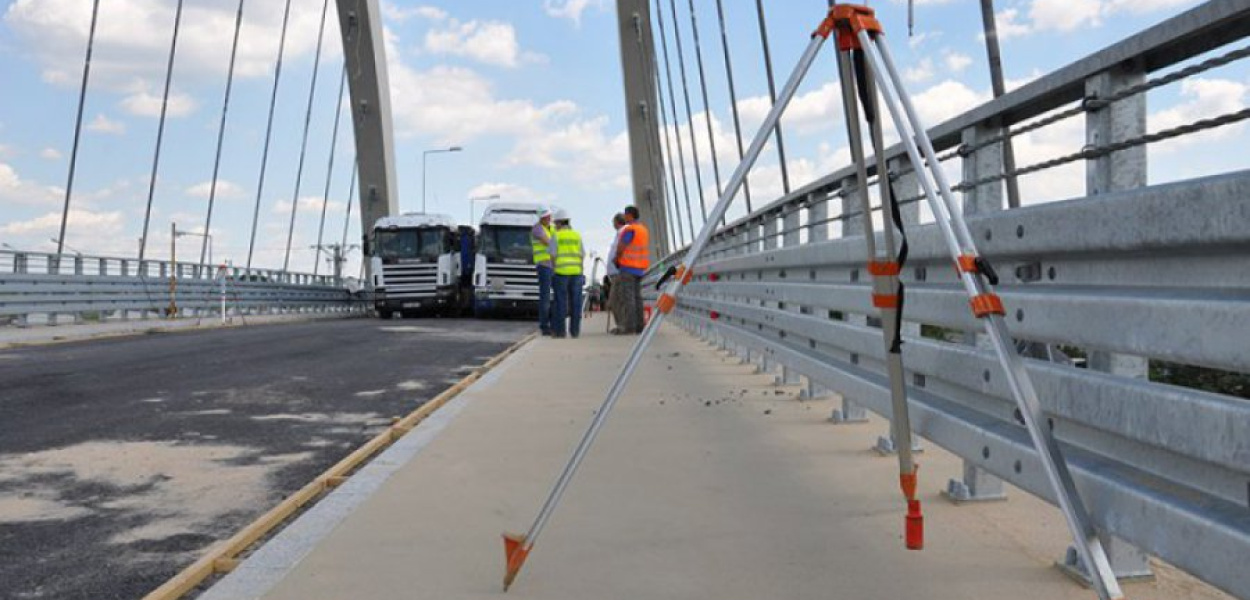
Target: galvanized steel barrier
x: 40, y: 287
x: 1130, y: 275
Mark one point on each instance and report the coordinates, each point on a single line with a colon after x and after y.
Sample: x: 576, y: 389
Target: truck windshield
x: 411, y: 243
x: 506, y: 242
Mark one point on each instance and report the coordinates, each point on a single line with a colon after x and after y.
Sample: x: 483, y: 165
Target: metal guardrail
x: 38, y: 286
x: 1130, y: 274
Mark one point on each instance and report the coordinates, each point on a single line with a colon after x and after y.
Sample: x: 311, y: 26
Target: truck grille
x: 410, y: 281
x: 512, y: 281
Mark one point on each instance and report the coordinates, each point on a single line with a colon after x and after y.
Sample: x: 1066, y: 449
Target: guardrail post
x: 772, y: 223
x: 1121, y: 170
x: 791, y: 236
x: 977, y: 484
x: 852, y: 225
x: 21, y: 263
x: 817, y: 231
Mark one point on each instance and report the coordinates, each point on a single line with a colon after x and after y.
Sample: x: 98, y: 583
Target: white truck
x: 504, y: 278
x: 417, y: 265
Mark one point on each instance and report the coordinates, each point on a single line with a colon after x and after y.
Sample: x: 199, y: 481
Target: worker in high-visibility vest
x: 632, y: 259
x: 540, y: 240
x: 569, y: 256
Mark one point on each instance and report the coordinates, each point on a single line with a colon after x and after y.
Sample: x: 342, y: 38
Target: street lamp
x: 473, y: 203
x: 208, y: 236
x: 423, y: 181
x: 59, y: 244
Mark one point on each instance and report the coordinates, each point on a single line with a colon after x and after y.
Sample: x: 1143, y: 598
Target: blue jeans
x: 546, y: 316
x: 569, y: 303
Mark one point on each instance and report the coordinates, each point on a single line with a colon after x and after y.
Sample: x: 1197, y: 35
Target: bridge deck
x: 708, y: 482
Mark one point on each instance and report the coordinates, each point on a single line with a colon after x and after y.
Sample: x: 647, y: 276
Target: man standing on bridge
x: 569, y: 257
x: 632, y: 258
x: 614, y: 292
x: 540, y: 240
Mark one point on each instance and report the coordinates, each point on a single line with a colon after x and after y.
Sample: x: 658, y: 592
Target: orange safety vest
x: 636, y: 255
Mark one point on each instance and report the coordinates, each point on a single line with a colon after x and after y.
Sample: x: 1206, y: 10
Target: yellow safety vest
x: 542, y: 253
x: 568, y: 252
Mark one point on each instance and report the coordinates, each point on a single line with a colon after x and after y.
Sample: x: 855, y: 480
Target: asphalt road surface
x: 122, y: 460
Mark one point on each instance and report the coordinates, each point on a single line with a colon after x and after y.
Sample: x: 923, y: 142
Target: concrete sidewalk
x: 707, y: 482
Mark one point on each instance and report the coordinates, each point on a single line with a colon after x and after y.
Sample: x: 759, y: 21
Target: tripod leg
x: 989, y: 309
x: 887, y: 292
x: 517, y: 547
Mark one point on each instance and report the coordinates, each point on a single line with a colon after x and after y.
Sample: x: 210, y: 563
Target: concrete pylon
x: 641, y: 109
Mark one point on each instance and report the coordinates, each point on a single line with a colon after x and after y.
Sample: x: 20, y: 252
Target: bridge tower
x: 641, y: 108
x: 365, y: 53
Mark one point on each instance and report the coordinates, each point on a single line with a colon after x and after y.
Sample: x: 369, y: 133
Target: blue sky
x: 531, y: 89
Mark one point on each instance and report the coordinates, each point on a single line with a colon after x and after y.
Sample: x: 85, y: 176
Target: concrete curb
x: 272, y: 561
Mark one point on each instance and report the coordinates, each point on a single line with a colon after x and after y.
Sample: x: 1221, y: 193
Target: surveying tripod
x: 865, y: 64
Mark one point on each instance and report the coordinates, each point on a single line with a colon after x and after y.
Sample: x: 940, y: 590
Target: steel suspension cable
x: 264, y: 157
x: 672, y: 97
x: 707, y: 106
x: 667, y: 156
x: 221, y: 131
x: 653, y: 150
x: 325, y: 196
x: 303, y: 147
x: 73, y: 156
x: 733, y: 98
x: 685, y: 89
x: 160, y: 131
x: 351, y: 197
x: 772, y: 95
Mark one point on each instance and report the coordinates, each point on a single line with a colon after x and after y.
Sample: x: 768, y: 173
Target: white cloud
x: 455, y: 104
x: 103, y: 124
x: 50, y: 154
x: 149, y: 105
x: 920, y: 72
x: 507, y: 192
x: 569, y: 9
x: 1204, y: 98
x: 225, y: 189
x: 1065, y: 15
x: 581, y: 149
x: 956, y: 62
x: 132, y: 39
x: 1071, y: 15
x: 489, y: 42
x: 307, y: 203
x: 1145, y: 6
x: 945, y: 100
x: 15, y: 190
x: 400, y: 15
x: 809, y: 112
x: 100, y: 223
x: 1009, y: 24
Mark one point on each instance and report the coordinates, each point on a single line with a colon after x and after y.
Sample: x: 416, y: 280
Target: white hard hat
x: 546, y: 212
x: 562, y: 215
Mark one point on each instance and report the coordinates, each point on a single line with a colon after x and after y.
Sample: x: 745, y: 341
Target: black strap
x: 896, y: 215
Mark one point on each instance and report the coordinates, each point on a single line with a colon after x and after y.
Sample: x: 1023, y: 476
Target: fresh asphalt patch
x: 122, y: 460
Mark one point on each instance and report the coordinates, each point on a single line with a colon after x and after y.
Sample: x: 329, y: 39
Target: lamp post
x: 60, y: 244
x: 425, y: 155
x: 207, y: 236
x: 473, y: 204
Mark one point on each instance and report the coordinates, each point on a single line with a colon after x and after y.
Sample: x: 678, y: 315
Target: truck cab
x: 417, y: 265
x: 505, y: 281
